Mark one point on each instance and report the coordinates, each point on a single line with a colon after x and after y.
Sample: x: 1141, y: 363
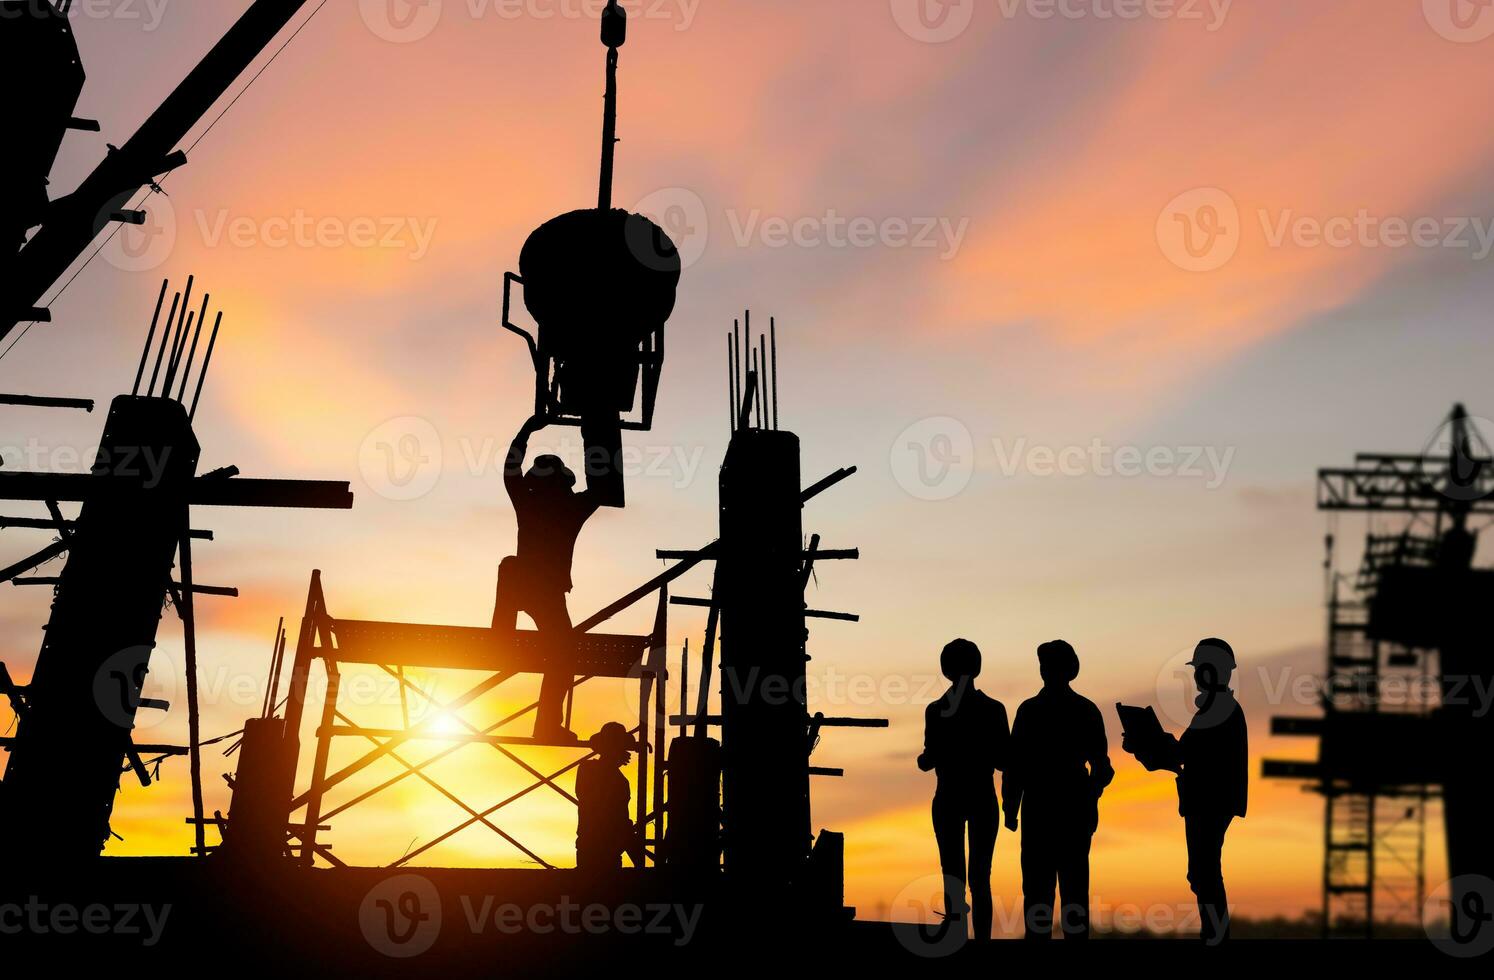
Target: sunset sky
x: 1086, y: 298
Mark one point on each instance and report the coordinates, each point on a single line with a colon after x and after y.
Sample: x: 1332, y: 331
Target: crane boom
x: 73, y: 221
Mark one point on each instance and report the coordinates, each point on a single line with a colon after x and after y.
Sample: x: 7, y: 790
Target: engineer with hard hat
x: 1212, y: 763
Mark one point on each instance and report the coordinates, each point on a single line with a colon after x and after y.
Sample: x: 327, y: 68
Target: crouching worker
x: 965, y: 742
x: 604, y: 833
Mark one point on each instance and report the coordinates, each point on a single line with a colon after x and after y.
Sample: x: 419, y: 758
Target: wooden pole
x: 194, y: 720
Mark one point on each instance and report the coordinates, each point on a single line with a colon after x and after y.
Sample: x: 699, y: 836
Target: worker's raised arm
x: 603, y: 464
x: 513, y: 464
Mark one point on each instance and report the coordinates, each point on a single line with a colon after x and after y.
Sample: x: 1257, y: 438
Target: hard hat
x: 611, y: 736
x: 1213, y: 652
x: 550, y: 467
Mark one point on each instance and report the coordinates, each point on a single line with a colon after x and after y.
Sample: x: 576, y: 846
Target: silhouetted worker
x: 1058, y: 768
x: 536, y: 579
x: 965, y: 737
x: 1212, y: 763
x: 603, y: 831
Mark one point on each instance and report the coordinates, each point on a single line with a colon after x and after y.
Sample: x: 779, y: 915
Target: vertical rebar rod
x: 279, y: 670
x: 175, y: 358
x: 270, y: 679
x: 763, y: 379
x: 181, y: 320
x: 773, y: 335
x: 747, y: 339
x: 756, y: 375
x: 181, y: 393
x: 161, y: 351
x: 180, y: 323
x: 196, y: 317
x: 731, y: 389
x: 736, y: 377
x: 207, y: 358
x: 150, y: 338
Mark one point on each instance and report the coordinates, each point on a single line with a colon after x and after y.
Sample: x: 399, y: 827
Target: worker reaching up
x: 550, y: 515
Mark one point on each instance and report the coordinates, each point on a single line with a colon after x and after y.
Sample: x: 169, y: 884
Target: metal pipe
x: 614, y: 34
x: 42, y: 401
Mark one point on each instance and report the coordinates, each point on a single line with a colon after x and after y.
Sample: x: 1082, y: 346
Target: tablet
x: 1140, y: 724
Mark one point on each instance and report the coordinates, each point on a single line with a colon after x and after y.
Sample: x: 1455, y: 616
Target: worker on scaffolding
x: 603, y: 831
x: 535, y: 580
x: 1212, y: 761
x: 965, y: 740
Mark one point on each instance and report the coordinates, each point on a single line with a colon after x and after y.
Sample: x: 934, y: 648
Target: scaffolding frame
x: 1374, y: 836
x: 502, y: 656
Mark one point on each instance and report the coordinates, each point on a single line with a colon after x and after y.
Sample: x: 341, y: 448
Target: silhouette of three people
x: 965, y: 741
x: 537, y: 577
x: 1057, y: 769
x: 1212, y: 765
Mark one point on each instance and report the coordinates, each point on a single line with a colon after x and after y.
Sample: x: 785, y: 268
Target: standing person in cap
x: 536, y: 579
x: 965, y: 738
x: 603, y: 831
x: 1212, y: 763
x: 1059, y: 766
